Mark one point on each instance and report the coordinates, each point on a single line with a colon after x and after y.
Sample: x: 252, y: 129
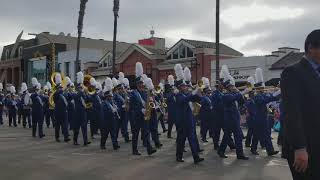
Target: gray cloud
x: 138, y: 16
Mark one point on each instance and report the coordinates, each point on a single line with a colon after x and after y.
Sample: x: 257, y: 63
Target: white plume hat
x: 45, y: 87
x: 49, y: 85
x: 108, y: 85
x: 80, y: 77
x: 93, y: 82
x: 126, y: 82
x: 24, y: 87
x: 68, y: 80
x: 115, y: 82
x: 1, y: 86
x: 187, y: 74
x: 139, y: 69
x: 34, y: 82
x: 149, y: 84
x: 171, y: 80
x: 57, y: 78
x: 224, y: 73
x: 179, y: 72
x: 12, y: 89
x: 259, y: 75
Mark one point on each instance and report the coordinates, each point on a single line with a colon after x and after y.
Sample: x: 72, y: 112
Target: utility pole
x: 116, y: 6
x: 217, y: 39
x: 80, y: 27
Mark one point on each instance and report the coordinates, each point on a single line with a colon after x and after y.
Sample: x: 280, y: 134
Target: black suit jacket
x: 300, y: 89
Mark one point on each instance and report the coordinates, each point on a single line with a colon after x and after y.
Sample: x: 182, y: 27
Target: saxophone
x: 150, y: 106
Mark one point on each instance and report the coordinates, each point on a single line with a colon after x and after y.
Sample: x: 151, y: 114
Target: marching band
x: 110, y: 107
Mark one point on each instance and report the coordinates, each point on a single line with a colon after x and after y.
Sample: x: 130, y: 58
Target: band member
x: 161, y: 110
x: 231, y: 118
x: 151, y: 116
x: 81, y: 114
x: 138, y: 107
x: 171, y: 102
x: 261, y: 123
x: 11, y: 103
x: 195, y: 106
x: 45, y: 100
x: 205, y: 114
x: 251, y: 112
x: 49, y: 116
x: 60, y: 110
x: 120, y: 101
x: 69, y: 94
x: 20, y: 108
x: 1, y: 103
x: 109, y: 117
x: 218, y: 110
x: 37, y: 109
x: 91, y: 111
x: 26, y: 101
x: 185, y: 123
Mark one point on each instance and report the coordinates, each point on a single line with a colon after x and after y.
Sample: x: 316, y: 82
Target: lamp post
x: 116, y: 6
x: 217, y: 39
x: 80, y: 27
x: 53, y: 51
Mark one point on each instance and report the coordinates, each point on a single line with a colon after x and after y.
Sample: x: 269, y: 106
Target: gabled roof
x: 287, y: 60
x: 150, y: 53
x: 224, y: 49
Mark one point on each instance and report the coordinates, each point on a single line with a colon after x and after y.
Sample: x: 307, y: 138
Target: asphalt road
x: 25, y: 158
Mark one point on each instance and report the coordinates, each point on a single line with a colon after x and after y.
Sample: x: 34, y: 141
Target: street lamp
x: 80, y: 27
x: 217, y: 39
x: 116, y: 6
x: 53, y: 50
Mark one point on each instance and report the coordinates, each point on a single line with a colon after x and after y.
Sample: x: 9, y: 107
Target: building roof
x: 287, y: 60
x: 224, y: 49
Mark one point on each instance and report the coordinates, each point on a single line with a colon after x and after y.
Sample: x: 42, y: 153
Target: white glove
x: 277, y: 93
x: 175, y: 91
x: 196, y: 91
x: 143, y: 111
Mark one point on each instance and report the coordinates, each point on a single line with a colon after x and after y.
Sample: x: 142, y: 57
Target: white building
x: 66, y: 60
x: 243, y: 67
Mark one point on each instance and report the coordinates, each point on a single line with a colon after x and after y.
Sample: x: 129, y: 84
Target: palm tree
x: 80, y: 26
x: 116, y: 4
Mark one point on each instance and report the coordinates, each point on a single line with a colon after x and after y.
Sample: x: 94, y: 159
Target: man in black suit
x: 300, y: 88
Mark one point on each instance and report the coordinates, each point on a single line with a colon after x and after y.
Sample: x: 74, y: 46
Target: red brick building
x: 158, y: 62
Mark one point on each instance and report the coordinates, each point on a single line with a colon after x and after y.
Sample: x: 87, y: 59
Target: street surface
x: 25, y: 158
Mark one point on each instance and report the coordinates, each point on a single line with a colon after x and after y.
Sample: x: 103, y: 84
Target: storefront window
x: 175, y: 54
x: 38, y: 70
x: 189, y: 52
x: 182, y: 51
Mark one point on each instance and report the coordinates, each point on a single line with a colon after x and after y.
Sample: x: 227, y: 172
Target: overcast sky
x: 254, y: 27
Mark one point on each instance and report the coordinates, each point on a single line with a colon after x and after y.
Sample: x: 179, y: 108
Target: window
x: 169, y: 57
x: 182, y: 51
x: 189, y: 52
x: 175, y: 54
x: 20, y: 51
x: 7, y: 54
x: 59, y: 67
x: 110, y: 60
x: 67, y: 68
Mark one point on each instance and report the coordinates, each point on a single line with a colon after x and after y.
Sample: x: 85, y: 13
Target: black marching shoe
x: 216, y: 147
x: 201, y: 150
x: 76, y: 143
x: 254, y: 152
x: 169, y: 137
x: 165, y: 130
x: 136, y: 153
x: 58, y: 140
x: 242, y: 157
x: 273, y: 153
x: 180, y: 160
x: 87, y: 143
x: 42, y: 136
x: 127, y: 140
x: 204, y: 140
x: 222, y: 155
x: 159, y: 146
x: 152, y: 152
x: 116, y: 147
x: 103, y: 147
x: 67, y: 140
x: 184, y: 150
x: 198, y: 160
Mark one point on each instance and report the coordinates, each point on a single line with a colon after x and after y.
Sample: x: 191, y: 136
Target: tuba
x: 88, y: 89
x: 54, y: 88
